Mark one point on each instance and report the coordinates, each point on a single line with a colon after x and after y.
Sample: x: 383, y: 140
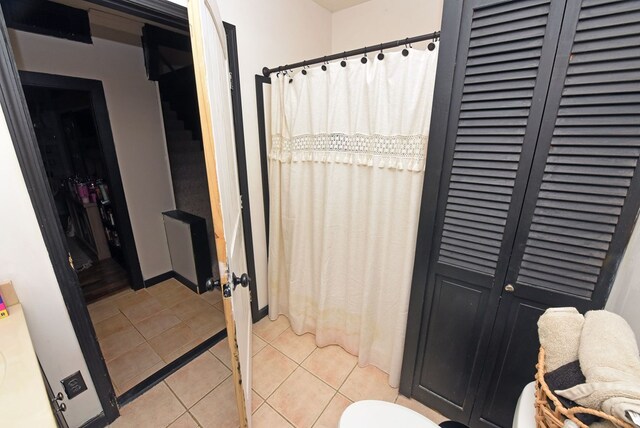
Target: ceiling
x: 336, y: 5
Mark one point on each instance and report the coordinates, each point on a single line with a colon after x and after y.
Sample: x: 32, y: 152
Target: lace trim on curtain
x: 396, y: 151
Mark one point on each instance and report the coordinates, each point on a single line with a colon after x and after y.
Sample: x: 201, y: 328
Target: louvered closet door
x: 503, y: 67
x: 582, y: 198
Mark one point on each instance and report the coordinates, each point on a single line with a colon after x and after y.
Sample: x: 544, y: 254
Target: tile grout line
x: 196, y: 403
x: 335, y: 391
x: 194, y: 418
x: 258, y: 408
x: 347, y: 377
x: 186, y: 410
x: 164, y: 363
x: 205, y: 395
x: 174, y: 393
x: 135, y: 327
x: 315, y: 421
x: 299, y: 365
x: 283, y: 381
x: 113, y: 382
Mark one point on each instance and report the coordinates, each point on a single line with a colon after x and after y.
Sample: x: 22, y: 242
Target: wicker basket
x: 550, y: 413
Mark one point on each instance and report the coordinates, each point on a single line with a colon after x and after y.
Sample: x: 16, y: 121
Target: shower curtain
x: 346, y: 166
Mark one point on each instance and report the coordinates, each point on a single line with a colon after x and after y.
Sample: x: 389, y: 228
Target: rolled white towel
x: 559, y: 330
x: 608, y: 349
x: 619, y: 406
x: 611, y: 366
x: 613, y: 398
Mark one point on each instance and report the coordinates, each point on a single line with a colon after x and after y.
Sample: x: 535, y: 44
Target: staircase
x: 188, y: 170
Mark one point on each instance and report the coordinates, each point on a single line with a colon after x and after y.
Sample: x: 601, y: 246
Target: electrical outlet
x: 73, y: 385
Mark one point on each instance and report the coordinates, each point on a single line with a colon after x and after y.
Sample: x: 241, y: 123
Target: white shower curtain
x: 346, y: 168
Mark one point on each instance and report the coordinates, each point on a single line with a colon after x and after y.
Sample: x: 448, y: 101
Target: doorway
x: 84, y: 181
x: 30, y: 159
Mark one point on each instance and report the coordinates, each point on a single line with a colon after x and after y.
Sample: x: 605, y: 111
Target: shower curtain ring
x: 405, y: 51
x: 381, y: 55
x: 364, y: 58
x: 304, y: 66
x: 324, y: 64
x: 343, y: 63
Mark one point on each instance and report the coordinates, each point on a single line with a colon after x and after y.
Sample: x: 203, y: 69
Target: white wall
x: 378, y: 21
x: 25, y: 261
x: 625, y: 293
x: 270, y: 33
x: 136, y: 123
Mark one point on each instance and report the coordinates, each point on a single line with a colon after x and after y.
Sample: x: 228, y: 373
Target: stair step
x: 173, y: 124
x: 180, y: 151
x: 169, y: 115
x: 184, y: 144
x: 170, y: 118
x: 186, y: 156
x: 178, y: 135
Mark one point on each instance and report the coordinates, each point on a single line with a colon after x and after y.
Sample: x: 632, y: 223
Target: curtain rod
x: 409, y: 40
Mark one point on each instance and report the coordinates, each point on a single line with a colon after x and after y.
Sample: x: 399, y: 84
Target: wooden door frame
x: 14, y: 106
x: 108, y: 152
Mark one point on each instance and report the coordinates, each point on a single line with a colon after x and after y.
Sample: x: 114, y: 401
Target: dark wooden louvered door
x: 507, y: 51
x: 537, y: 196
x: 582, y: 197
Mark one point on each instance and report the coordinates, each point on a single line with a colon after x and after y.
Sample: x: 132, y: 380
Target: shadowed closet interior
x: 72, y: 156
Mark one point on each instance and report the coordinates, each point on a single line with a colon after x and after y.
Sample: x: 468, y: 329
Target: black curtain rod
x: 409, y: 40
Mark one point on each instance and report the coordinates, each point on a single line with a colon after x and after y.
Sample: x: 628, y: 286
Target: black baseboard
x: 99, y: 421
x: 158, y: 279
x: 261, y: 314
x: 185, y: 281
x: 170, y: 368
x: 168, y: 275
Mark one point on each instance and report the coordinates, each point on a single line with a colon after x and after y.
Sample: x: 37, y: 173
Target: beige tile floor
x: 295, y: 384
x: 140, y: 332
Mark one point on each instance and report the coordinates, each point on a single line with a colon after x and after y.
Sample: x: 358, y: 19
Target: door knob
x: 509, y: 288
x: 243, y: 280
x: 212, y: 284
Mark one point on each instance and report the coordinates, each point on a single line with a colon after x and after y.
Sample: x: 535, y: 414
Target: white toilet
x: 381, y: 414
